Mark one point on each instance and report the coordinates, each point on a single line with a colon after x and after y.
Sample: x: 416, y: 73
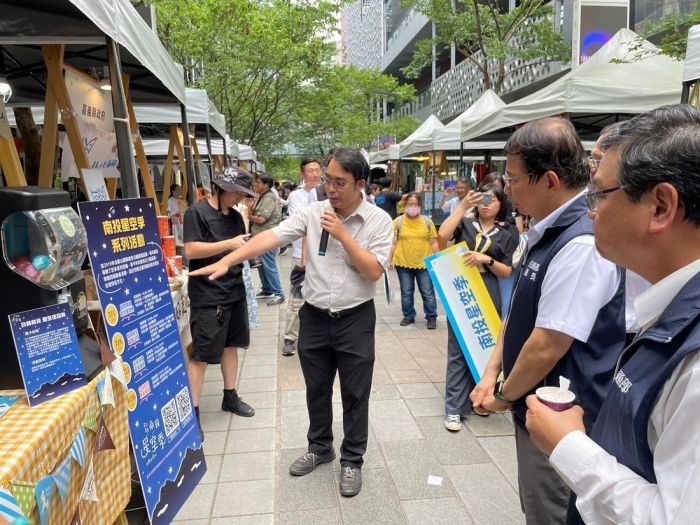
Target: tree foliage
x: 674, y: 30
x: 489, y: 37
x: 269, y: 67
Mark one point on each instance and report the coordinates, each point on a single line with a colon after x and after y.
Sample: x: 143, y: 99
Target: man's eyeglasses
x: 592, y: 197
x: 508, y: 180
x: 338, y: 183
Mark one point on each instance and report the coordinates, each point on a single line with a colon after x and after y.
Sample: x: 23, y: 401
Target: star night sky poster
x: 48, y: 351
x: 130, y: 276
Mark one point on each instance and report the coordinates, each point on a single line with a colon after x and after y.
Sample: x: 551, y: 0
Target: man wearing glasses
x: 567, y: 311
x: 337, y: 321
x: 641, y: 463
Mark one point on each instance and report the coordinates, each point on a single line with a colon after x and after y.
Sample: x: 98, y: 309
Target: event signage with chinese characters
x: 127, y: 263
x: 467, y: 304
x: 48, y: 352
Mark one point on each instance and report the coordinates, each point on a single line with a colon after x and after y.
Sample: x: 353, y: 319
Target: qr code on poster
x: 184, y: 406
x: 169, y: 415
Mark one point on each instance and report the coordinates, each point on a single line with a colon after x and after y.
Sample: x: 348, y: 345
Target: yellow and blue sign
x: 467, y: 304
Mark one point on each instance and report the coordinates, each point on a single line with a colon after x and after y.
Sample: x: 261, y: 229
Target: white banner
x: 101, y: 149
x: 89, y: 102
x: 95, y: 185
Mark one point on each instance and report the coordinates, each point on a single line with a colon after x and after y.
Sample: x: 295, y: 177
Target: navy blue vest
x: 645, y: 366
x: 588, y: 365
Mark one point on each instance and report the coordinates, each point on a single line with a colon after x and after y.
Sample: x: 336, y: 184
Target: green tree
x: 340, y: 110
x: 489, y: 37
x: 673, y: 28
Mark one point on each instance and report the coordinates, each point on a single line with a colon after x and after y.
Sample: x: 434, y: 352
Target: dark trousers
x: 344, y: 344
x: 459, y: 381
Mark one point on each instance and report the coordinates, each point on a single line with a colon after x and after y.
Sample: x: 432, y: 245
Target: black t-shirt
x: 205, y: 224
x: 502, y: 242
x: 386, y: 200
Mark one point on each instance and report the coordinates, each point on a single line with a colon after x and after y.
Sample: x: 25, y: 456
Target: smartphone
x: 487, y: 199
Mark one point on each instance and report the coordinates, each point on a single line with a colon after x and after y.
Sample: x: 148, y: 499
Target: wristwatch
x: 491, y: 261
x: 498, y: 394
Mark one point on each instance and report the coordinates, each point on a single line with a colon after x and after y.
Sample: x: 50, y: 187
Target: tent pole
x: 207, y: 130
x: 433, y: 188
x: 191, y: 182
x: 460, y: 171
x: 685, y: 94
x: 125, y: 149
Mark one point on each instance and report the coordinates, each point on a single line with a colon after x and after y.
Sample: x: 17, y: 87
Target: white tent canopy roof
x: 390, y: 153
x: 119, y: 20
x: 200, y: 110
x: 159, y: 147
x: 598, y: 86
x: 448, y: 138
x: 691, y: 71
x: 246, y: 152
x: 422, y: 138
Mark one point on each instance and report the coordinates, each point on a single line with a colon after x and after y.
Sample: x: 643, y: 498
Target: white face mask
x: 413, y: 211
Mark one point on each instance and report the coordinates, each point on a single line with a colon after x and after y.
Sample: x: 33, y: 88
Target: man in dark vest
x: 641, y: 462
x: 567, y: 313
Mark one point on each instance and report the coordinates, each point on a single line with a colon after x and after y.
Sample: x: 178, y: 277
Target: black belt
x: 339, y: 313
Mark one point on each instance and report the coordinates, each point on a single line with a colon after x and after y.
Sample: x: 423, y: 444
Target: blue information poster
x: 127, y: 263
x: 48, y: 352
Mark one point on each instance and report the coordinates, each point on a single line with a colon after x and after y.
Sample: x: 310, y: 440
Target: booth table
x: 35, y: 440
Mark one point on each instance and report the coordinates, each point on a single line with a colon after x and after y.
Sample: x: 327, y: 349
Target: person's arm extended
x: 542, y: 350
x: 447, y: 228
x: 261, y: 243
x: 202, y: 250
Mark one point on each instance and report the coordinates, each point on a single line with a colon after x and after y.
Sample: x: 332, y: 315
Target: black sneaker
x: 289, y: 347
x: 264, y: 295
x: 432, y: 323
x: 232, y: 402
x: 199, y: 425
x: 350, y: 481
x: 406, y: 321
x: 309, y: 461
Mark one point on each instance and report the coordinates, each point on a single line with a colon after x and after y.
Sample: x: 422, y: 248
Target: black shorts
x: 211, y: 333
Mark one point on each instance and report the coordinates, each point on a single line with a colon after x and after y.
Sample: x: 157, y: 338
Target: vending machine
x: 44, y: 245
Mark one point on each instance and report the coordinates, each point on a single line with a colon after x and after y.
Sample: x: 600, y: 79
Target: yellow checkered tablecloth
x: 33, y: 442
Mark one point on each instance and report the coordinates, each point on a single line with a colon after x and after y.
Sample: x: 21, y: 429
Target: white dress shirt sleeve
x: 294, y: 227
x: 381, y: 240
x: 609, y: 493
x: 578, y: 283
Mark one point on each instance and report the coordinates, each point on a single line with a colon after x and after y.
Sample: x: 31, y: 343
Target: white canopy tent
x: 390, y: 153
x: 596, y: 88
x: 691, y: 67
x: 422, y: 138
x: 200, y: 110
x: 448, y: 138
x: 158, y: 147
x: 246, y: 152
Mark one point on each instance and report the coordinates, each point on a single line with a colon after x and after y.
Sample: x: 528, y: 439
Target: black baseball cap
x: 235, y: 179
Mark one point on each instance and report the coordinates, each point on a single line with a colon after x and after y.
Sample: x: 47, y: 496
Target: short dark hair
x: 661, y: 146
x: 352, y: 161
x: 610, y: 129
x: 308, y: 160
x: 415, y: 195
x: 491, y: 178
x: 551, y: 144
x: 384, y: 182
x: 500, y: 196
x: 172, y: 188
x: 266, y: 179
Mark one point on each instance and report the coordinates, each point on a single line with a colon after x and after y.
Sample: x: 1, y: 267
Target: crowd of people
x: 604, y: 253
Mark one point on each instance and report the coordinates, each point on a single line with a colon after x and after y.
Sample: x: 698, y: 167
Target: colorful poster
x: 468, y: 305
x: 127, y: 263
x: 48, y: 351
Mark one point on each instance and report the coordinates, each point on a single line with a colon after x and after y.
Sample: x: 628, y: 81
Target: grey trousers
x: 544, y: 497
x: 459, y: 381
x: 291, y: 327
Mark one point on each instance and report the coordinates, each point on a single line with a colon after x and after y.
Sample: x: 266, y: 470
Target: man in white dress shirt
x: 299, y: 199
x: 641, y: 463
x: 338, y: 318
x: 567, y: 311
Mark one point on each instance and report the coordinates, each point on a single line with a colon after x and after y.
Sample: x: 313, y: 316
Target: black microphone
x: 323, y: 244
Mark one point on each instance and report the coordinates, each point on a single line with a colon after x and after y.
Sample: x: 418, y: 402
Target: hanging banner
x: 103, y: 441
x: 44, y: 495
x: 77, y: 450
x: 92, y: 104
x: 101, y: 149
x: 90, y: 420
x: 48, y: 351
x: 9, y: 508
x: 127, y: 263
x: 467, y: 304
x: 24, y: 494
x: 89, y: 491
x: 62, y: 477
x: 104, y: 389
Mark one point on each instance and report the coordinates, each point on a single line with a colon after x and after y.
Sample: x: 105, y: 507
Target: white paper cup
x: 555, y: 398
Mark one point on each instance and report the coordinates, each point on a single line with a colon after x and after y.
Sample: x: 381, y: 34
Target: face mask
x: 413, y: 211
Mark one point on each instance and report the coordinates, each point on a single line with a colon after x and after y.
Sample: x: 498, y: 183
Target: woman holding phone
x: 491, y: 248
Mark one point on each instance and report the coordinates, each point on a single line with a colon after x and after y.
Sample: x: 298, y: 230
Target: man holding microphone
x: 338, y: 319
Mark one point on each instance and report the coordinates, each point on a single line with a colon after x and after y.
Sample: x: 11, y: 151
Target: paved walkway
x: 472, y: 473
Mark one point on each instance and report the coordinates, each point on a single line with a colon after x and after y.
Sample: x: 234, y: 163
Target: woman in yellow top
x: 415, y: 238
